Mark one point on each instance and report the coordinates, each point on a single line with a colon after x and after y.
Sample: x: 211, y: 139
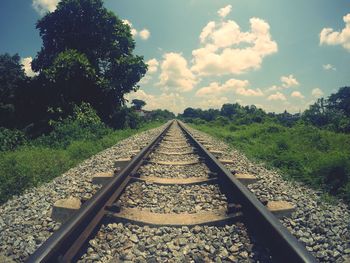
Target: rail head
x: 282, y: 244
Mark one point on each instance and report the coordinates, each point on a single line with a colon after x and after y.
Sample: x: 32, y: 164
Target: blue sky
x: 276, y: 54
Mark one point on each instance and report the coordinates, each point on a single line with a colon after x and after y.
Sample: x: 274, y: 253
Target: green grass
x: 318, y: 158
x: 39, y: 161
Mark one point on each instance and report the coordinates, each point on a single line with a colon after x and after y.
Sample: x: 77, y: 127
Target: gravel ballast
x: 322, y: 227
x: 174, y: 198
x: 25, y: 221
x: 174, y: 171
x: 131, y: 243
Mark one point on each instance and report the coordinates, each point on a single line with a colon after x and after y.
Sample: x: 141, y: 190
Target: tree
x: 138, y: 104
x: 340, y: 100
x: 12, y: 78
x: 227, y: 110
x: 96, y: 47
x: 72, y: 81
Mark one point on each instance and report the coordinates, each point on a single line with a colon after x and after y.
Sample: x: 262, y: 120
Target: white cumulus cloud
x: 44, y: 6
x: 144, y: 34
x: 27, y: 66
x: 297, y: 94
x: 329, y: 67
x: 277, y: 96
x: 330, y: 37
x: 223, y: 12
x: 239, y: 87
x: 225, y: 49
x: 289, y: 81
x: 317, y: 92
x: 175, y: 73
x: 212, y: 103
x: 171, y: 101
x: 152, y: 65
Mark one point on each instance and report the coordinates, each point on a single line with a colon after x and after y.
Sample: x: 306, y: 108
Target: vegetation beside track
x: 319, y: 158
x: 25, y: 163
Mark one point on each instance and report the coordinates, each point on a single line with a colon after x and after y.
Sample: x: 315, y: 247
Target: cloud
x: 171, y: 101
x: 273, y: 88
x: 152, y: 68
x: 330, y: 37
x: 152, y: 65
x: 147, y: 78
x: 317, y: 93
x: 223, y: 12
x: 44, y: 6
x: 206, y: 31
x: 144, y: 34
x: 175, y: 73
x: 27, y: 66
x: 329, y: 67
x: 277, y: 96
x: 297, y: 94
x: 232, y: 85
x: 286, y: 82
x: 213, y: 103
x: 289, y: 81
x: 225, y: 49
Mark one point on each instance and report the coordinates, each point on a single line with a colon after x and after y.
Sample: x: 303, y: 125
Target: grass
x: 40, y: 161
x: 319, y: 158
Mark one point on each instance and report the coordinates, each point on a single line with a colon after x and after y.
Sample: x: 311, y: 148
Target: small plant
x: 11, y: 139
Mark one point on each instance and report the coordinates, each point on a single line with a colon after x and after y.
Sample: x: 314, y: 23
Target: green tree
x: 340, y: 100
x: 228, y: 110
x: 84, y: 37
x: 138, y: 104
x: 12, y: 78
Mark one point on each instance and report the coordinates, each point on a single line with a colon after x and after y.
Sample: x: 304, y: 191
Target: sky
x: 277, y: 54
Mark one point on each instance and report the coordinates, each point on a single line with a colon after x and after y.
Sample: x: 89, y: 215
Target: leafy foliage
x: 12, y: 78
x: 10, y: 139
x: 138, y: 104
x: 97, y: 60
x: 48, y: 156
x: 319, y: 158
x: 332, y: 113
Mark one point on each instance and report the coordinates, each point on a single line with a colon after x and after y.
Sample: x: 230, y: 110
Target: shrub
x: 28, y: 167
x: 10, y: 139
x: 334, y: 171
x: 84, y: 124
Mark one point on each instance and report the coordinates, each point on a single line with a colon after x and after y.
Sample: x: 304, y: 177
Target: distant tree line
x: 331, y: 113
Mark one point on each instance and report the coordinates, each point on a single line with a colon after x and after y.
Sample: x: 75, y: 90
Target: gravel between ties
x: 25, y: 221
x: 131, y: 243
x: 173, y: 198
x: 172, y: 171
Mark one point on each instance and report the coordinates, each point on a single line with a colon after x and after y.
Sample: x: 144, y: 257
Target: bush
x: 334, y: 171
x: 222, y: 121
x: 28, y: 167
x: 44, y: 159
x: 84, y: 124
x: 317, y: 157
x: 11, y: 139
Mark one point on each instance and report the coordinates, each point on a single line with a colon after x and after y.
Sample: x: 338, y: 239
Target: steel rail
x: 283, y: 246
x: 65, y: 244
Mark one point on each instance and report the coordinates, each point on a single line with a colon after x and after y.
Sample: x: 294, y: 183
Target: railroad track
x: 174, y: 191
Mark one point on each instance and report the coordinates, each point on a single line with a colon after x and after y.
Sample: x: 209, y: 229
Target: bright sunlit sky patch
x: 276, y: 54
